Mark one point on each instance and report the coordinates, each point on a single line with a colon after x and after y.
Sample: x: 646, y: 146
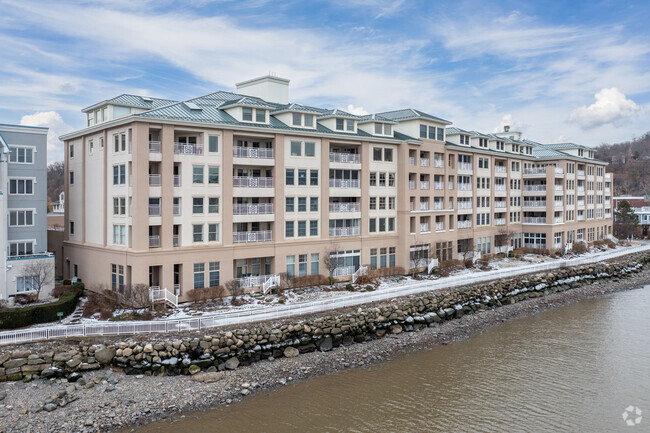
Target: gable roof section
x: 411, y: 113
x: 326, y: 114
x: 5, y: 146
x: 132, y: 101
x: 376, y: 118
x: 289, y: 108
x: 247, y: 101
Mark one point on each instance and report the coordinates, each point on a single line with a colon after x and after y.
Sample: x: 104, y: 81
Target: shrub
x: 365, y: 280
x: 538, y: 251
x: 469, y: 264
x: 308, y: 281
x: 103, y: 302
x: 11, y: 318
x: 66, y: 282
x: 59, y: 290
x: 349, y: 287
x: 386, y: 272
x: 24, y: 299
x: 579, y: 248
x: 206, y: 293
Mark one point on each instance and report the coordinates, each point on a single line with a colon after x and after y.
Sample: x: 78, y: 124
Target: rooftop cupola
x: 269, y: 88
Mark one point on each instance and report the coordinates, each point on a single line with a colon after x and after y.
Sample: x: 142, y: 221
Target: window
x: 90, y: 146
x: 432, y: 132
x: 199, y: 275
x: 119, y: 174
x: 388, y: 155
x: 214, y: 268
x: 372, y: 226
x: 21, y: 218
x: 382, y: 203
x: 289, y: 176
x: 119, y: 234
x: 21, y: 248
x: 197, y: 205
x: 197, y: 233
x: 349, y: 125
x: 391, y: 224
x: 260, y: 115
x: 373, y: 178
x: 288, y: 206
x: 296, y: 119
x: 302, y: 264
x: 339, y: 124
x: 213, y: 204
x: 382, y: 179
x: 309, y: 120
x: 71, y: 148
x: 376, y: 153
x: 313, y: 204
x: 302, y: 229
x: 117, y: 277
x: 373, y: 203
x: 313, y: 177
x: 213, y: 175
x: 382, y: 224
x: 441, y: 134
x: 116, y: 140
x: 21, y: 186
x: 247, y: 114
x: 310, y: 149
x: 213, y: 232
x: 296, y: 148
x: 391, y: 179
x: 302, y: 204
x: 315, y: 260
x: 423, y: 131
x: 313, y: 228
x: 22, y: 155
x: 391, y: 203
x: 72, y: 178
x: 291, y: 266
x: 379, y: 128
x: 288, y: 229
x: 119, y: 206
x: 197, y: 174
x: 71, y: 227
x: 373, y: 258
x: 302, y: 177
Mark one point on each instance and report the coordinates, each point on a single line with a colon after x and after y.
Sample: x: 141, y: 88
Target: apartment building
x: 191, y: 194
x: 27, y: 266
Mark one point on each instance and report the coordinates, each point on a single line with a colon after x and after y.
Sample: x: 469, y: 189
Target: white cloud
x: 57, y: 127
x: 358, y: 111
x: 611, y: 106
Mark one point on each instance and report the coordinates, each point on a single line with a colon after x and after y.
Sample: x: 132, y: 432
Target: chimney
x: 506, y: 128
x: 270, y: 88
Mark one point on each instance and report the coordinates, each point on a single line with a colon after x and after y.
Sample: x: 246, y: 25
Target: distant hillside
x: 630, y: 163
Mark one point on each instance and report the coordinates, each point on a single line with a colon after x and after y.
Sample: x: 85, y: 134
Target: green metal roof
x: 133, y: 101
x: 411, y: 113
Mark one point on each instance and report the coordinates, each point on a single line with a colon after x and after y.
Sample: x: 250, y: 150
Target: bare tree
x: 41, y: 273
x: 234, y: 288
x: 331, y: 263
x: 502, y: 238
x: 134, y: 296
x: 419, y: 257
x: 466, y: 249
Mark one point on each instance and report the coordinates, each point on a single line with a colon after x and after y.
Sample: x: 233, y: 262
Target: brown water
x: 573, y: 369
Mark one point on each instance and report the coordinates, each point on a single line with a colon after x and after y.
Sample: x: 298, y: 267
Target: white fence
x: 233, y: 318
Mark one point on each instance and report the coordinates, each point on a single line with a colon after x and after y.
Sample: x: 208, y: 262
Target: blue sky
x: 559, y: 72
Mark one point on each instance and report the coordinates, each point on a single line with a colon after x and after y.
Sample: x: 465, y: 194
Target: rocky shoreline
x: 108, y: 400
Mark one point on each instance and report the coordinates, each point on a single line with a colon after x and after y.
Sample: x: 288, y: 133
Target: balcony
x: 535, y: 188
x: 608, y: 176
x: 424, y: 184
x: 437, y: 205
x: 438, y: 185
x: 337, y: 232
x: 581, y: 173
x: 499, y: 204
x: 252, y: 152
x: 534, y: 203
x: 559, y: 188
x: 252, y: 182
x: 500, y: 169
x: 499, y: 187
x: 464, y: 204
x: 438, y: 163
x: 608, y: 214
x: 177, y: 180
x: 534, y: 170
x: 344, y: 183
x: 558, y: 220
x: 345, y: 207
x: 558, y: 203
x: 154, y: 241
x: 424, y: 162
x: 534, y: 220
x: 155, y: 147
x: 154, y: 210
x: 608, y: 191
x: 580, y: 218
x: 244, y: 237
x: 464, y: 187
x: 176, y: 240
x: 466, y: 166
x: 252, y: 209
x: 343, y: 271
x: 424, y: 227
x: 411, y: 160
x: 581, y: 189
x: 466, y: 224
x: 424, y: 205
x: 411, y: 184
x: 154, y: 180
x: 499, y: 221
x: 559, y: 171
x: 581, y: 202
x: 440, y: 227
x: 188, y: 149
x: 177, y: 210
x: 253, y: 281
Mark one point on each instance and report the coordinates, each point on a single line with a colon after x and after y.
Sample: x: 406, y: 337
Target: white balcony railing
x: 437, y: 205
x: 499, y: 187
x: 411, y: 184
x: 534, y: 220
x: 439, y: 163
x: 581, y: 202
x: 464, y: 204
x: 424, y: 162
x: 424, y: 184
x: 337, y: 232
x: 154, y: 241
x: 558, y: 203
x: 252, y: 152
x: 177, y: 210
x: 156, y: 294
x: 467, y: 166
x: 465, y: 224
x: 411, y: 160
x: 581, y: 173
x: 464, y: 186
x: 345, y: 207
x: 558, y: 188
x: 581, y: 189
x: 176, y: 240
x: 349, y: 158
x: 252, y: 182
x: 259, y: 236
x: 188, y: 149
x: 177, y: 180
x: 342, y: 271
x: 438, y: 185
x: 154, y: 180
x: 558, y: 220
x: 344, y: 183
x: 499, y: 204
x: 559, y: 170
x: 424, y: 227
x: 154, y: 147
x: 608, y: 191
x: 252, y: 209
x: 424, y: 205
x: 535, y: 170
x: 500, y: 169
x: 253, y: 281
x: 534, y: 203
x: 580, y: 218
x: 154, y: 210
x: 440, y: 226
x: 535, y: 188
x: 499, y: 221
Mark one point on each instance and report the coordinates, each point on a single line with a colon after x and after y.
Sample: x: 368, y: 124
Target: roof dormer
x: 297, y: 116
x: 248, y: 110
x: 375, y: 124
x: 339, y: 120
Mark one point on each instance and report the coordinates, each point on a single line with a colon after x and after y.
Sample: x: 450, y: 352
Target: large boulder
x: 291, y: 352
x: 232, y: 363
x: 104, y: 355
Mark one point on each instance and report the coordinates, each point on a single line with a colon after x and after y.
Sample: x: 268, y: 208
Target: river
x: 572, y: 369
